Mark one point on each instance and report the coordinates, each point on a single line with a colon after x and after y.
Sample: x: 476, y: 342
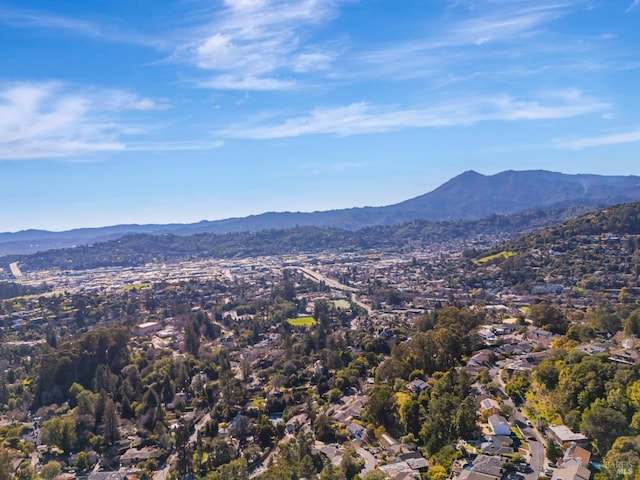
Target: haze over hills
x: 469, y: 196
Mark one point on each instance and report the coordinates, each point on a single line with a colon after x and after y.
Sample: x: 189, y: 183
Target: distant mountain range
x: 469, y: 196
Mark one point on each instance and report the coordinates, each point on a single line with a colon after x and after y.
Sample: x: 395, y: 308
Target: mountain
x: 138, y: 249
x: 469, y: 196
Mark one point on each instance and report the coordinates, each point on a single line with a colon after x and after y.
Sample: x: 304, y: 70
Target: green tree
x: 382, y: 407
x: 61, y: 432
x: 51, y: 470
x: 83, y: 461
x: 350, y: 465
x: 603, y: 425
x: 437, y: 472
x: 110, y: 423
x: 191, y: 338
x: 5, y: 464
x: 548, y: 317
x: 552, y: 451
x: 26, y: 472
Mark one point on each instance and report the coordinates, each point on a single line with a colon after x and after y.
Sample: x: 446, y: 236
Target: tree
x: 5, y: 465
x: 437, y: 472
x: 26, y: 472
x: 110, y: 423
x: 548, y: 317
x: 552, y: 451
x: 83, y: 462
x: 382, y: 407
x: 61, y: 432
x: 191, y: 338
x: 603, y: 425
x: 51, y: 470
x: 350, y: 465
x: 410, y: 413
x: 323, y: 430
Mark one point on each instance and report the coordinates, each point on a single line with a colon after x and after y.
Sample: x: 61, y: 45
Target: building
x: 562, y: 434
x: 484, y: 467
x: 147, y: 328
x: 499, y: 425
x: 628, y: 356
x: 571, y: 472
x: 489, y: 405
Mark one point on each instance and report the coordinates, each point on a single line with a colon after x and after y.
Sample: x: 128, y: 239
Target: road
x: 370, y: 461
x: 15, y: 270
x: 162, y: 474
x: 330, y: 282
x: 536, y: 457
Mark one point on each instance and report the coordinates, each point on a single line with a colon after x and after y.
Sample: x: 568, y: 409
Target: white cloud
x: 494, y: 32
x: 228, y: 82
x: 364, y: 118
x: 254, y: 44
x: 23, y: 18
x: 634, y: 5
x: 50, y: 120
x: 600, y: 141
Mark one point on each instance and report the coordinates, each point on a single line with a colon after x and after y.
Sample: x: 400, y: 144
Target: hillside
x: 598, y: 251
x: 137, y: 249
x: 469, y: 196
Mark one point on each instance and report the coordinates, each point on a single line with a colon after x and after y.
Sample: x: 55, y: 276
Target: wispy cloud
x: 260, y: 44
x: 24, y: 18
x: 600, y: 141
x: 634, y: 6
x: 464, y: 39
x: 364, y: 118
x: 49, y: 120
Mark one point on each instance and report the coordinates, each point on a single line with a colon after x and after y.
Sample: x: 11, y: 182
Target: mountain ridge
x: 467, y: 196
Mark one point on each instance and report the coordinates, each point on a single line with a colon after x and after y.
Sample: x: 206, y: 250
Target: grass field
x: 343, y: 304
x: 497, y: 256
x: 301, y: 321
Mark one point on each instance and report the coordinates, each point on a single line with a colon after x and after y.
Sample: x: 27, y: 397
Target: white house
x: 499, y: 425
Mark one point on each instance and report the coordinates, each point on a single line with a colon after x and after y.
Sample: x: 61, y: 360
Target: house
x: 97, y: 475
x: 575, y: 455
x: 484, y: 467
x: 499, y: 425
x: 331, y: 452
x: 415, y: 460
x: 628, y: 356
x: 572, y: 472
x: 489, y: 405
x: 294, y: 423
x: 134, y: 456
x: 400, y: 471
x: 417, y: 385
x: 487, y: 336
x: 496, y: 445
x: 357, y: 431
x: 148, y: 327
x: 562, y: 434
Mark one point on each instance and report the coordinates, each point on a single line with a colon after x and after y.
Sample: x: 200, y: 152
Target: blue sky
x: 146, y: 111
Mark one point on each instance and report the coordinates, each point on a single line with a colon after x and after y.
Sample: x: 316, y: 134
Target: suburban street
x: 536, y: 457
